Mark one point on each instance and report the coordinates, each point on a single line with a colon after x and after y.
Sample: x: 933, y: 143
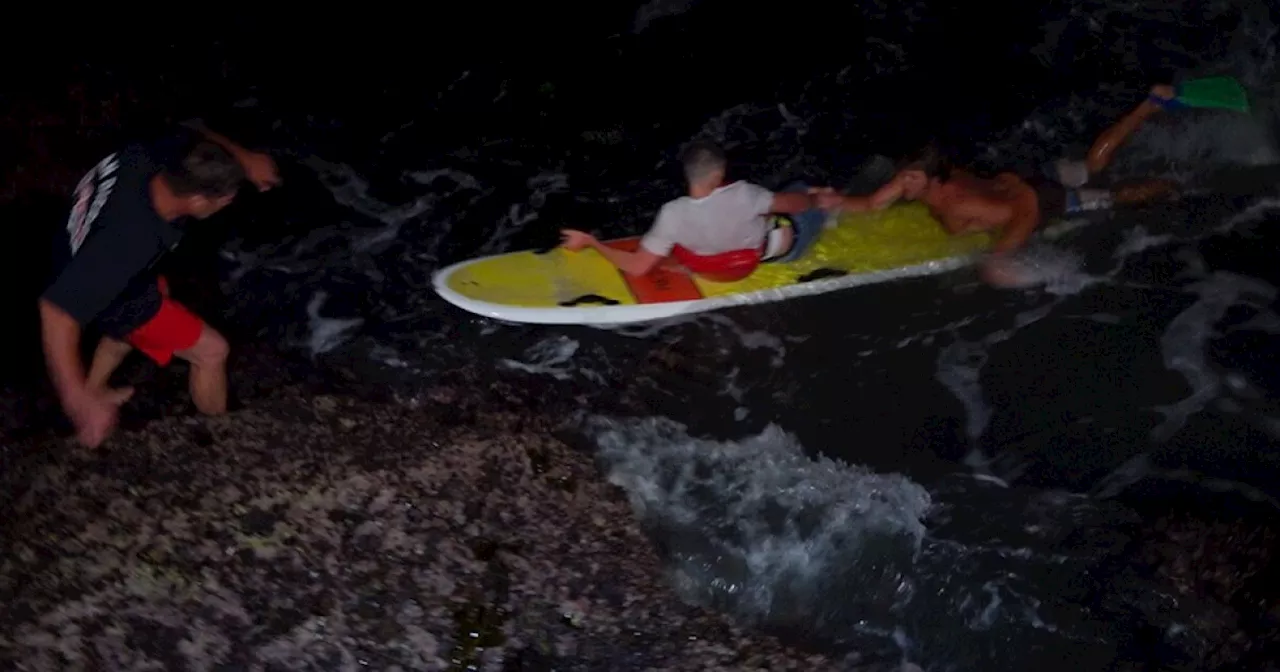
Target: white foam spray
x: 757, y: 526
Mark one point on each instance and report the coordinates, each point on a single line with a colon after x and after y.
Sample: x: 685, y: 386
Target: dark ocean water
x: 929, y: 470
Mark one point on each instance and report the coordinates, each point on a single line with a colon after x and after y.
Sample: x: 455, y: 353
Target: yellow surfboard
x: 562, y: 287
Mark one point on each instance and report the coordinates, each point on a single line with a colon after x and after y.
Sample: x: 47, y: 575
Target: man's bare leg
x: 106, y: 359
x: 1105, y: 146
x: 208, y: 377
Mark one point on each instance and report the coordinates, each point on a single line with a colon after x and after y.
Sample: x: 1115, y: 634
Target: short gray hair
x: 701, y: 160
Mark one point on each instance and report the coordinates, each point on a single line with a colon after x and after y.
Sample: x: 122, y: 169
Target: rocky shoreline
x: 316, y: 528
x: 324, y: 532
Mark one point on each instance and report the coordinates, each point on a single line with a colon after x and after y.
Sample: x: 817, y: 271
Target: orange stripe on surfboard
x: 660, y: 285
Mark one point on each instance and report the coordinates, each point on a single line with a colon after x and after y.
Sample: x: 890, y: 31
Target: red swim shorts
x: 173, y: 328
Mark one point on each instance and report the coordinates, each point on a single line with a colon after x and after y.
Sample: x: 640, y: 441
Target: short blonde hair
x: 701, y: 160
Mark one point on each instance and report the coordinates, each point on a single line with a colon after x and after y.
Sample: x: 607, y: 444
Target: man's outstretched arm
x: 888, y: 194
x: 258, y: 166
x: 197, y: 125
x: 830, y: 199
x: 858, y: 203
x: 791, y: 203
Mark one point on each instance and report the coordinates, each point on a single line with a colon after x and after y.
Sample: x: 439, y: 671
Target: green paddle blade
x: 1214, y: 92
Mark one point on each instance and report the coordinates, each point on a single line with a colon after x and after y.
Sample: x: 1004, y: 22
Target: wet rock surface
x: 1223, y: 571
x: 314, y: 531
x: 323, y: 526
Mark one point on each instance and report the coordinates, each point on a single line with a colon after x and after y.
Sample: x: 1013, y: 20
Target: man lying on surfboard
x: 718, y: 231
x: 1009, y: 206
x: 1014, y: 206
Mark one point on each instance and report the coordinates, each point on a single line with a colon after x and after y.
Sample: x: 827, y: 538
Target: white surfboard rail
x: 629, y: 314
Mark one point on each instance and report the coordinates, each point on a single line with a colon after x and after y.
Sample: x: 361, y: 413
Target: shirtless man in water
x: 1007, y: 205
x: 1010, y: 206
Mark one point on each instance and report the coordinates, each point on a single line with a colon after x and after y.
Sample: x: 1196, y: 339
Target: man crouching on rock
x: 127, y: 212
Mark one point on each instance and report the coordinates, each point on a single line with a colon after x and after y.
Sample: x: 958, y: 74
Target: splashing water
x: 762, y: 529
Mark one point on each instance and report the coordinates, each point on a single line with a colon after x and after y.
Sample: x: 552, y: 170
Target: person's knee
x: 210, y: 350
x: 113, y: 347
x: 113, y: 342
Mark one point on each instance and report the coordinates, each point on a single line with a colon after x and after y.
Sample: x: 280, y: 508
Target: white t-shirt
x: 729, y: 218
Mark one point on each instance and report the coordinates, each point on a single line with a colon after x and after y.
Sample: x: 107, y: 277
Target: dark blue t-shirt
x: 106, y: 253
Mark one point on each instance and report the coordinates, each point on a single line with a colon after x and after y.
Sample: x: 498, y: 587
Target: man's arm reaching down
x: 632, y: 263
x: 98, y: 274
x: 655, y: 246
x: 1025, y: 206
x: 1019, y: 230
x: 93, y: 412
x: 60, y: 334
